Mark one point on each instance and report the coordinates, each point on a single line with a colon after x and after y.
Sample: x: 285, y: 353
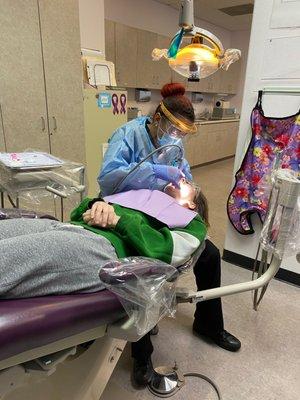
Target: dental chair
x: 76, y: 340
x: 73, y: 340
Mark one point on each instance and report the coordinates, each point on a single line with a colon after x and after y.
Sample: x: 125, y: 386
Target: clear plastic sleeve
x: 145, y: 287
x: 230, y: 56
x: 33, y: 175
x: 13, y: 213
x: 281, y: 230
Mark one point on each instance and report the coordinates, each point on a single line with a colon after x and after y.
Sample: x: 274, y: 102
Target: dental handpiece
x: 146, y: 158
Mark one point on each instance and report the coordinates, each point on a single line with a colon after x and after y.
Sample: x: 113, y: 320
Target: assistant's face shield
x: 171, y: 129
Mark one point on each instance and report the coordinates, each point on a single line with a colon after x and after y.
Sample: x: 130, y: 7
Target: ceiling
x: 209, y: 10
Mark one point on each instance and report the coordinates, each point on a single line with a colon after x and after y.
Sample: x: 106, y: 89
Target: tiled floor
x: 266, y: 368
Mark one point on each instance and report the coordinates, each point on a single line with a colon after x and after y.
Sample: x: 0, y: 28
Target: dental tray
x: 29, y: 160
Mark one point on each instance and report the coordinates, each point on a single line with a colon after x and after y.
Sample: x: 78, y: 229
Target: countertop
x: 216, y: 121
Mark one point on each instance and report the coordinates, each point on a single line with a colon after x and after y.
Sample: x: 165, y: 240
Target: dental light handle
x: 186, y: 15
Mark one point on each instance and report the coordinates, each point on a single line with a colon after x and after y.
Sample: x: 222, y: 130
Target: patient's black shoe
x: 142, y: 372
x: 223, y: 339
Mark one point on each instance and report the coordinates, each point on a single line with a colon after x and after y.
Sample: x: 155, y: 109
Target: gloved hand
x: 185, y: 168
x: 168, y: 173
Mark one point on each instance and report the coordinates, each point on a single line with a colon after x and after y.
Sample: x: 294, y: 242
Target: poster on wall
x: 285, y: 14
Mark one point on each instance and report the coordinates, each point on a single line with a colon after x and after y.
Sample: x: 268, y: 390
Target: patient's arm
x: 172, y: 246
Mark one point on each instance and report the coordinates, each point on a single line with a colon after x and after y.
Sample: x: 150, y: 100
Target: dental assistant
x: 172, y: 121
x: 131, y: 143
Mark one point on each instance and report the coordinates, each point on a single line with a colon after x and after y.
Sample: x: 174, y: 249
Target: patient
x: 42, y: 257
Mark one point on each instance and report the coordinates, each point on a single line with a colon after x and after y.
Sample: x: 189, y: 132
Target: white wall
x: 91, y: 18
x: 274, y: 105
x: 240, y: 40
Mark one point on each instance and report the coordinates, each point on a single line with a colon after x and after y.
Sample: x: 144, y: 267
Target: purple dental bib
x: 156, y: 204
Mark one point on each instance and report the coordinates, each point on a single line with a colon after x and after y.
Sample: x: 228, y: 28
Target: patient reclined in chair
x: 40, y: 256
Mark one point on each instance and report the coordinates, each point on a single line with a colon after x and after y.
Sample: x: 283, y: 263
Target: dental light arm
x: 275, y: 238
x: 186, y: 15
x: 204, y: 54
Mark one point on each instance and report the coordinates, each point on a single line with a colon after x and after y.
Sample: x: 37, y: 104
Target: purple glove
x: 168, y: 173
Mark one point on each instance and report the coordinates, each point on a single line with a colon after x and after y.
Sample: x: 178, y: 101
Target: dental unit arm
x: 284, y: 208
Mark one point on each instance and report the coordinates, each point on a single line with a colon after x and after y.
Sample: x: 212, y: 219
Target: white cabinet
x: 126, y: 41
x: 2, y: 140
x: 63, y: 77
x: 212, y: 142
x: 41, y: 77
x: 110, y: 41
x: 147, y: 74
x: 22, y: 90
x: 130, y: 49
x: 229, y: 80
x: 163, y: 70
x: 41, y: 101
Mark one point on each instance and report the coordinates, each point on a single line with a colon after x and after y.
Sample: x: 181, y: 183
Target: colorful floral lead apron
x: 275, y: 143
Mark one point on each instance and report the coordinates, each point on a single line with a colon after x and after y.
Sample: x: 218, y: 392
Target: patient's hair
x: 202, y: 206
x: 176, y: 102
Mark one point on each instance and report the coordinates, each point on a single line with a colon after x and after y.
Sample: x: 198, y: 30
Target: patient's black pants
x: 208, y: 314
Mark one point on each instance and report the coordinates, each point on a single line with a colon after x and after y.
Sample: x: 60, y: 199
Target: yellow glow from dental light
x: 195, y: 52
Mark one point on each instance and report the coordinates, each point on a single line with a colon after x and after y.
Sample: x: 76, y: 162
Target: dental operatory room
x: 149, y: 199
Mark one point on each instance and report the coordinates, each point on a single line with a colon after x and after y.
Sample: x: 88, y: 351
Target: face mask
x: 169, y: 135
x: 167, y: 139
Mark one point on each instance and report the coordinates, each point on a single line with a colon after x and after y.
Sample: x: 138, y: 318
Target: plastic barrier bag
x: 13, y: 213
x: 33, y: 175
x: 281, y: 230
x: 145, y: 287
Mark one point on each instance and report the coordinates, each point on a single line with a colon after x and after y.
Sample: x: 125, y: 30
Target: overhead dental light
x: 202, y: 56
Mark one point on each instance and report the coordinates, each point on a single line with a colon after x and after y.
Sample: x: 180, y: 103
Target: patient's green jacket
x: 138, y: 234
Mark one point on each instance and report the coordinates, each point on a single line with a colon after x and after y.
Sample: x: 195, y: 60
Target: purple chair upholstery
x: 26, y: 324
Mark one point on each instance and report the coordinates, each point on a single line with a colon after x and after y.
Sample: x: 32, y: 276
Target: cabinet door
x: 110, y: 45
x: 63, y: 76
x: 126, y: 55
x: 146, y: 71
x: 2, y: 138
x: 179, y: 78
x: 200, y: 145
x: 231, y: 133
x: 163, y: 71
x: 210, y: 84
x: 229, y: 80
x: 22, y: 91
x: 189, y: 146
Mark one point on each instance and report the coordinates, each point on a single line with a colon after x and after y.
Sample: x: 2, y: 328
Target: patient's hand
x: 101, y: 214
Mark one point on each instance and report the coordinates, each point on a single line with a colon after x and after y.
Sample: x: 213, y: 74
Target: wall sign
x: 104, y: 100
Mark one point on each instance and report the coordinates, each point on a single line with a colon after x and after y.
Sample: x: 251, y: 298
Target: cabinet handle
x: 54, y: 123
x: 43, y: 124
